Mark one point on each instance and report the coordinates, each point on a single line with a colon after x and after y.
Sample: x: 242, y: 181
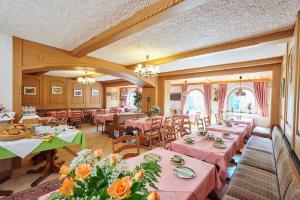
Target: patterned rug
x: 35, y: 192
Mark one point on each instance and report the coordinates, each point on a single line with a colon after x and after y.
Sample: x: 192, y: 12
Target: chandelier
x: 146, y: 71
x: 240, y: 91
x: 86, y: 80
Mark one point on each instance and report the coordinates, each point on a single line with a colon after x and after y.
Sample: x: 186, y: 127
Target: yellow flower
x: 67, y: 187
x: 113, y: 158
x: 98, y: 153
x: 120, y: 189
x: 153, y: 196
x: 64, y: 171
x: 139, y: 175
x: 83, y: 171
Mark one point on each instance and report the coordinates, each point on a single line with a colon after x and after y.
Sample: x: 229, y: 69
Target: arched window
x: 241, y: 104
x: 195, y: 102
x: 130, y: 99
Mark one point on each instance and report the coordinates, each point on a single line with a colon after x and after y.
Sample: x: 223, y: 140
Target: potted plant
x: 155, y: 110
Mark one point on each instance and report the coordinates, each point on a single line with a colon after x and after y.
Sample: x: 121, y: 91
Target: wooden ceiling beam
x: 153, y: 14
x: 268, y: 61
x: 269, y: 38
x: 223, y: 82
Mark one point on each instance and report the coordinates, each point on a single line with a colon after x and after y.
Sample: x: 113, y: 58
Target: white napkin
x: 68, y: 136
x: 22, y: 147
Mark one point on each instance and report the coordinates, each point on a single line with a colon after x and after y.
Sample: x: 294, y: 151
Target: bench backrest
x: 287, y: 165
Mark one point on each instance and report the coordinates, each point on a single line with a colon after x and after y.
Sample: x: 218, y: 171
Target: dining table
x: 143, y: 124
x: 243, y: 120
x: 241, y: 130
x: 204, y: 149
x: 172, y: 187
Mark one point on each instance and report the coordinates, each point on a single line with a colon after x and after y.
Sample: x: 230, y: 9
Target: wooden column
x: 160, y: 93
x: 149, y: 99
x: 17, y: 76
x: 275, y: 103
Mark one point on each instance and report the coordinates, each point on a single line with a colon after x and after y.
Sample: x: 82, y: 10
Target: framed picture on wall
x: 95, y: 92
x: 77, y: 93
x: 29, y: 90
x: 56, y: 90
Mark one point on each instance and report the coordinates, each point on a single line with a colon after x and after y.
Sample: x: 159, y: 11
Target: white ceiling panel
x: 106, y: 78
x: 67, y: 73
x: 214, y: 22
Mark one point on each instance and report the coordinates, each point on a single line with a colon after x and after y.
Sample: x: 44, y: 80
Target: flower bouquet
x: 155, y: 110
x: 93, y: 176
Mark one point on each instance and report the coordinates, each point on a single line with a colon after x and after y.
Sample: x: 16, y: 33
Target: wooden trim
x: 17, y: 77
x: 261, y: 39
x: 223, y: 82
x: 117, y: 84
x: 142, y: 19
x: 239, y: 65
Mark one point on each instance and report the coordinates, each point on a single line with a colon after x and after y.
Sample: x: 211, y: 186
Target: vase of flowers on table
x: 155, y: 110
x: 93, y: 176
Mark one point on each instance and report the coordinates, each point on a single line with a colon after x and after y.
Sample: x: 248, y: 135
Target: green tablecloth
x: 55, y: 143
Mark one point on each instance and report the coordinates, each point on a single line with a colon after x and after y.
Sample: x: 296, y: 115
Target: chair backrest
x: 126, y: 145
x: 156, y: 123
x: 168, y: 132
x: 76, y: 115
x: 206, y: 121
x: 185, y: 127
x: 62, y: 114
x: 199, y: 123
x: 176, y: 124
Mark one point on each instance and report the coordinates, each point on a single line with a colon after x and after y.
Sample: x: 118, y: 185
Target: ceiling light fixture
x: 86, y: 80
x: 146, y: 71
x: 240, y: 91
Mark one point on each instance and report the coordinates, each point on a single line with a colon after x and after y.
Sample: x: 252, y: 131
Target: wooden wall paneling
x: 75, y: 101
x: 283, y: 89
x: 33, y: 100
x: 275, y: 101
x: 17, y: 76
x: 94, y: 101
x: 54, y: 101
x: 148, y: 93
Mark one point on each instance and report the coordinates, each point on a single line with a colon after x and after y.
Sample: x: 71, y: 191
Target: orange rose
x: 113, y: 158
x: 64, y: 171
x: 153, y: 196
x: 98, y: 153
x: 120, y: 189
x: 67, y: 187
x: 139, y: 175
x: 83, y: 171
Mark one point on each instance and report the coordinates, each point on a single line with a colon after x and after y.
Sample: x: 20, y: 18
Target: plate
x: 189, y: 140
x: 229, y: 137
x: 184, y: 172
x: 181, y: 162
x: 219, y: 145
x: 152, y: 157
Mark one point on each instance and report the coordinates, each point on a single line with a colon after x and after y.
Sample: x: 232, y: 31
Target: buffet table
x: 24, y: 147
x: 203, y: 149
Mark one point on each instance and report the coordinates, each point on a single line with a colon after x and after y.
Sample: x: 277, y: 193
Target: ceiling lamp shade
x: 240, y: 91
x: 146, y: 71
x: 86, y: 80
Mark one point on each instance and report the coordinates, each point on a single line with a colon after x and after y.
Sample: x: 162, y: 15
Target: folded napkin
x: 68, y: 135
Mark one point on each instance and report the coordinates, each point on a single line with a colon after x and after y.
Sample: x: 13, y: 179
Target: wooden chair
x: 125, y: 139
x: 61, y: 117
x: 185, y: 127
x: 99, y: 111
x: 199, y: 123
x: 206, y: 121
x: 168, y: 132
x: 154, y: 133
x: 176, y: 124
x: 76, y: 118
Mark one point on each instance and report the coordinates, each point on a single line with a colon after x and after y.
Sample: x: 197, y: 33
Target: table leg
x: 50, y: 167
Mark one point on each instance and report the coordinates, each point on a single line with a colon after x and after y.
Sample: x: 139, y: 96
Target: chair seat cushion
x: 261, y: 131
x: 250, y: 183
x: 260, y: 144
x: 259, y: 159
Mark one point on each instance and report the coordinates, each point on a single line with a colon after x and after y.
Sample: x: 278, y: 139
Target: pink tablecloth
x: 172, y: 187
x: 103, y: 117
x: 204, y: 150
x: 247, y: 121
x: 142, y: 124
x: 240, y: 130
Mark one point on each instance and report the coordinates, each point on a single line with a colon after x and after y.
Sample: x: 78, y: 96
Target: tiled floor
x: 20, y: 180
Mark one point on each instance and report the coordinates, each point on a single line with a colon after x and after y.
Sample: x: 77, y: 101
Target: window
x: 195, y: 102
x: 130, y: 101
x: 242, y: 104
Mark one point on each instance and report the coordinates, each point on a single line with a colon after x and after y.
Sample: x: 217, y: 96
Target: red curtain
x: 183, y: 97
x: 221, y: 95
x: 260, y: 90
x: 207, y: 99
